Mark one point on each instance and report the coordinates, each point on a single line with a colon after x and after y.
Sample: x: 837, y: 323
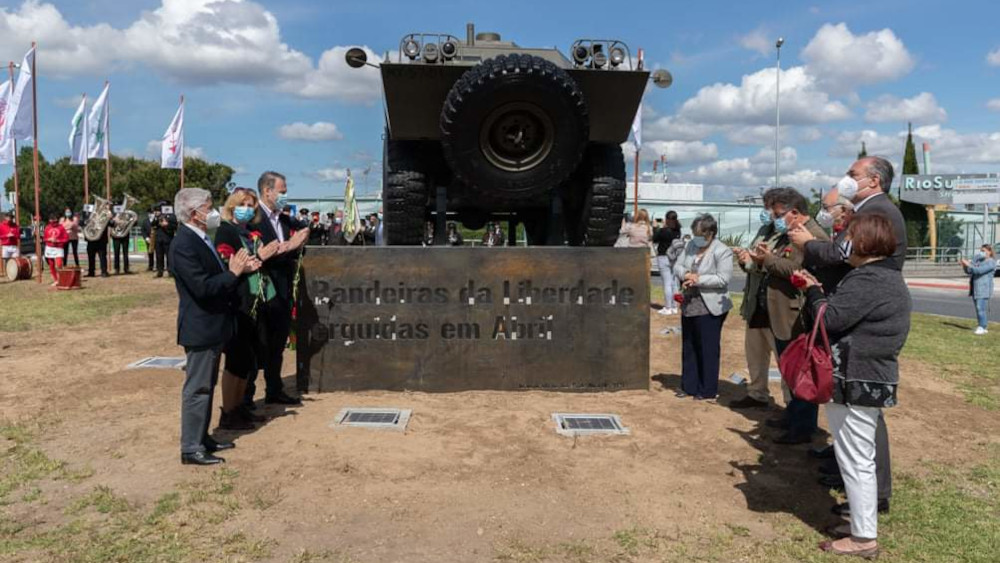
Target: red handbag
x: 806, y: 368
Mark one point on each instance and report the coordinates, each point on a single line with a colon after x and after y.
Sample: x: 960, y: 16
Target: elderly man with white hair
x: 206, y: 318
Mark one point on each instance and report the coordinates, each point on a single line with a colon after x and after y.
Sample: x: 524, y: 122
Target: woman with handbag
x: 867, y: 319
x: 704, y: 270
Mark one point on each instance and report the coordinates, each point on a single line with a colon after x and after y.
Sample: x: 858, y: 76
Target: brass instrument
x: 98, y: 220
x: 122, y: 222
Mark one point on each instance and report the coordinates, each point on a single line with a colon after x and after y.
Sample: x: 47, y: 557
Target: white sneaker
x: 980, y: 330
x: 664, y: 311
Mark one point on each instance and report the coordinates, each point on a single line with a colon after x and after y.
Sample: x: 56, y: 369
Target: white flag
x: 6, y: 143
x: 172, y: 149
x: 78, y: 135
x: 18, y: 124
x: 637, y: 128
x: 97, y: 126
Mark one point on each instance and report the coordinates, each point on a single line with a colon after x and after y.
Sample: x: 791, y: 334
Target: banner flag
x: 97, y: 126
x: 78, y: 135
x: 172, y: 148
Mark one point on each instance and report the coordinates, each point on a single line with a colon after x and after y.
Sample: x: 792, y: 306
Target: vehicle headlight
x: 617, y: 56
x: 411, y: 49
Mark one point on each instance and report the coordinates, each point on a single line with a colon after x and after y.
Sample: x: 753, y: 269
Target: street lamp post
x: 777, y: 107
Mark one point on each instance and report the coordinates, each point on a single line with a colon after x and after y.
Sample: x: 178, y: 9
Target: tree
x: 62, y: 183
x: 949, y: 231
x: 864, y: 151
x: 913, y: 213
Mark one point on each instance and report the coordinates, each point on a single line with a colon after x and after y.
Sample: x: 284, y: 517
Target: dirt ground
x: 476, y: 476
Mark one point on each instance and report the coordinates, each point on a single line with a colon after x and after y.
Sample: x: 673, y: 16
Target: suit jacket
x: 207, y: 291
x: 714, y: 273
x: 281, y: 267
x: 784, y: 301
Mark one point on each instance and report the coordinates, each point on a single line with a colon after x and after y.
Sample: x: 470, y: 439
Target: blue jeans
x: 981, y: 307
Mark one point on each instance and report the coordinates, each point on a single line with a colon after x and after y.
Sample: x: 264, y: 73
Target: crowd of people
x: 842, y: 268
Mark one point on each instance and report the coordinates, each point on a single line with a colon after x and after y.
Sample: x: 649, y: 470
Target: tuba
x: 98, y: 220
x: 122, y: 222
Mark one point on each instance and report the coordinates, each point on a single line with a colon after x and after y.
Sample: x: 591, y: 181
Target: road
x: 934, y: 301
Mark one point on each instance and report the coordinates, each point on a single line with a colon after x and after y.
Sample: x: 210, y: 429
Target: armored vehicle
x: 485, y: 130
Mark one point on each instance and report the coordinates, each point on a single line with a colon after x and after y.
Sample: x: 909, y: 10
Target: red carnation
x: 788, y: 251
x: 225, y: 251
x: 255, y: 235
x: 679, y: 297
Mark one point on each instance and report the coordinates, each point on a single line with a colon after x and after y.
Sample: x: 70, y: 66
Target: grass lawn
x: 28, y: 305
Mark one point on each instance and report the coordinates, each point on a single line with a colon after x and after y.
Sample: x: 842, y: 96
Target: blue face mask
x: 765, y: 217
x: 780, y: 225
x: 243, y: 214
x: 282, y: 201
x: 979, y: 256
x: 699, y: 242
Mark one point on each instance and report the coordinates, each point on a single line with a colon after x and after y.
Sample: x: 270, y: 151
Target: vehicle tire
x: 514, y: 126
x: 406, y: 193
x: 597, y: 193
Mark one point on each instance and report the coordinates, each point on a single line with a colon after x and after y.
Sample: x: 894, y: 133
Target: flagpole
x: 107, y: 144
x: 635, y: 195
x: 34, y: 160
x: 86, y: 154
x: 182, y: 151
x: 13, y: 144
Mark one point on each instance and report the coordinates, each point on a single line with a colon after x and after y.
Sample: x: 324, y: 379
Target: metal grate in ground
x: 158, y: 362
x: 387, y: 419
x: 582, y: 424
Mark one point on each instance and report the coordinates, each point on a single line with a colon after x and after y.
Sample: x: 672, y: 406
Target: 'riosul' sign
x: 947, y: 189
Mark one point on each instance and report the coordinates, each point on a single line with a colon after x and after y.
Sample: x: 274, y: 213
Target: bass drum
x: 18, y: 269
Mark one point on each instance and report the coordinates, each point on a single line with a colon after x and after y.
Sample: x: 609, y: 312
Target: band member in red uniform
x: 55, y: 239
x: 10, y: 239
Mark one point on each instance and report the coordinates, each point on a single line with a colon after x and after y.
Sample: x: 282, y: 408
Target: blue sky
x: 250, y: 71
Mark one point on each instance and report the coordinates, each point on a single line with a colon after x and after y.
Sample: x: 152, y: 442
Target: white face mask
x: 212, y: 220
x: 847, y: 187
x: 824, y: 218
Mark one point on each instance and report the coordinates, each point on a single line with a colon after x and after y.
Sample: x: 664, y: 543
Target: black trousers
x: 162, y: 246
x: 275, y: 322
x: 121, y: 248
x: 150, y: 253
x: 97, y: 250
x: 75, y: 245
x: 701, y: 339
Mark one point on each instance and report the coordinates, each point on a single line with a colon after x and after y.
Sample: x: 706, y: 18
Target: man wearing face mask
x: 277, y: 314
x: 779, y: 259
x: 206, y: 317
x: 866, y: 184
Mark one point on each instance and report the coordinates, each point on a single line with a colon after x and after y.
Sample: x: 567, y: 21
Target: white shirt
x: 273, y: 218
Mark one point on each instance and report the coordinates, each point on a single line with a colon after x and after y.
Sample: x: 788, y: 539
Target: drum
x: 69, y: 278
x: 18, y: 268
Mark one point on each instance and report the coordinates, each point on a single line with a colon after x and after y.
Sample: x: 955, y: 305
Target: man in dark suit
x: 866, y: 184
x: 97, y: 250
x: 206, y: 318
x: 277, y: 313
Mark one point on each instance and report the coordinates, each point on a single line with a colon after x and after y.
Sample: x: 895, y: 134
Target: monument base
x: 458, y: 319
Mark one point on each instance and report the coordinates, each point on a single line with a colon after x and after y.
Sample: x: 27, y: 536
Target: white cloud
x: 330, y: 174
x: 993, y: 57
x: 848, y: 144
x: 733, y: 176
x: 922, y: 108
x: 752, y: 102
x: 678, y: 153
x: 199, y: 42
x: 951, y: 150
x: 319, y: 131
x: 752, y: 134
x: 994, y: 104
x: 153, y: 151
x: 842, y: 61
x: 63, y: 49
x: 673, y: 128
x: 757, y: 40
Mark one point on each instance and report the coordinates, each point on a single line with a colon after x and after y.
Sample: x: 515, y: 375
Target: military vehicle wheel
x: 406, y: 194
x: 514, y: 126
x: 596, y: 197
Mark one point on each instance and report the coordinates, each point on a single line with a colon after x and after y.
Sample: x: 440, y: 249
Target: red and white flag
x: 172, y: 149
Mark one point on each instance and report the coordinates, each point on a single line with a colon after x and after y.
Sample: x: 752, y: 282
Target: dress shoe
x: 282, y: 399
x: 844, y: 509
x: 200, y: 458
x: 211, y: 446
x: 866, y: 553
x: 791, y: 439
x: 832, y: 481
x: 748, y: 402
x: 248, y: 414
x: 159, y: 274
x: 90, y: 274
x: 779, y: 423
x: 234, y: 420
x: 105, y: 275
x: 825, y: 452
